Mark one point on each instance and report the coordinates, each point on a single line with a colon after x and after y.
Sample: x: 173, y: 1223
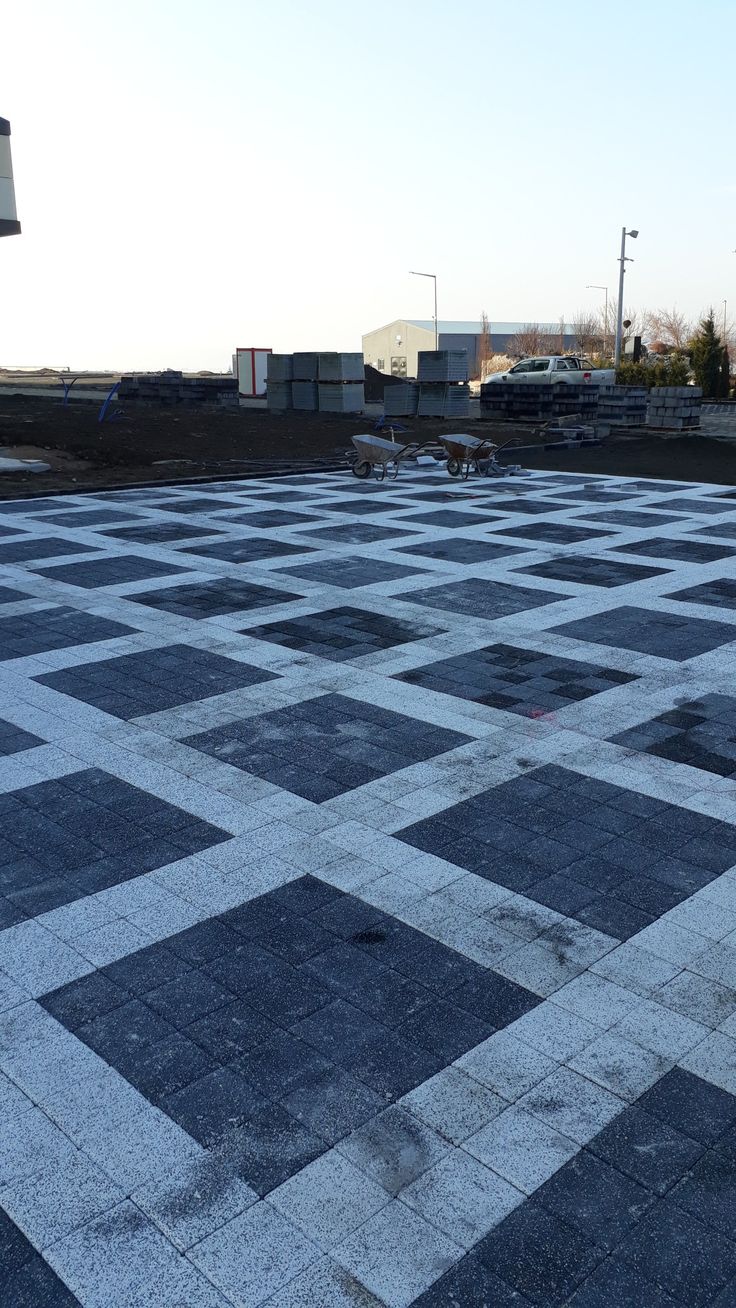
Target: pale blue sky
x: 191, y: 177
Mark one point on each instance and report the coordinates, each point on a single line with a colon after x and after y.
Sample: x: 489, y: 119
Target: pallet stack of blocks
x: 326, y: 382
x: 675, y: 407
x: 441, y: 389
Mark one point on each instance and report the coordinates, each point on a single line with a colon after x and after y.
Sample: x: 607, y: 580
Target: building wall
x: 9, y: 225
x: 393, y: 349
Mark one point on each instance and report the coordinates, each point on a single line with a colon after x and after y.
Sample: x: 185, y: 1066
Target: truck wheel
x: 453, y: 467
x: 362, y: 469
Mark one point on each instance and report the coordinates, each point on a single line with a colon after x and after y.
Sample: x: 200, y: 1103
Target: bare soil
x: 149, y: 444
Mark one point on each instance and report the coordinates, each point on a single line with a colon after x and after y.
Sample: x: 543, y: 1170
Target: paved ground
x: 368, y: 894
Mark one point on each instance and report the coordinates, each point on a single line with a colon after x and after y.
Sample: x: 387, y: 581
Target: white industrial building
x: 393, y: 349
x: 9, y: 225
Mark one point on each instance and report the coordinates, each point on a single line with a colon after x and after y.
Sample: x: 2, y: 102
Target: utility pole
x: 436, y: 324
x: 623, y: 260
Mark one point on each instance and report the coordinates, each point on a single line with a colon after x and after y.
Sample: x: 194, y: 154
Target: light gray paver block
x: 120, y: 1258
x: 521, y: 1148
x: 29, y: 1144
x: 453, y: 1104
x: 537, y: 968
x: 661, y: 1029
x: 698, y: 998
x: 253, y: 1256
x: 324, y: 1285
x: 714, y: 1059
x: 554, y: 1031
x: 506, y: 1065
x: 53, y: 1202
x: 619, y: 1065
x: 328, y: 1199
x: 571, y: 1104
x: 194, y: 1199
x: 596, y: 1000
x: 394, y: 1148
x: 462, y: 1197
x: 397, y: 1255
x: 135, y: 1148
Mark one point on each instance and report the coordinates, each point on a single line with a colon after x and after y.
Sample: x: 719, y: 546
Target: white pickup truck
x: 556, y: 368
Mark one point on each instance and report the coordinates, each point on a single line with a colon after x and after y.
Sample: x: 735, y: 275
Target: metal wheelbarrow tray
x: 465, y: 452
x: 374, y: 454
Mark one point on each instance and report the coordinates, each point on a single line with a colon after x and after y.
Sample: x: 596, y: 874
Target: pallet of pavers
x: 676, y: 407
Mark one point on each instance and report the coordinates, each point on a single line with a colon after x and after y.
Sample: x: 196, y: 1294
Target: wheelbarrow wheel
x: 454, y: 467
x: 362, y: 469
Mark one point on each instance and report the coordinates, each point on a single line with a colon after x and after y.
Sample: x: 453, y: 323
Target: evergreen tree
x: 706, y: 354
x: 725, y: 378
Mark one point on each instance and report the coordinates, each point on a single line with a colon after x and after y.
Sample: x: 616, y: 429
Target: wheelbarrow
x: 374, y: 454
x: 465, y: 452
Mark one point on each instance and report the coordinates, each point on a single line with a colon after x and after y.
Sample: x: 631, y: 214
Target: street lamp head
x: 633, y: 233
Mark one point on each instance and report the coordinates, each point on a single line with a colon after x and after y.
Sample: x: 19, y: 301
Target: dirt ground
x: 148, y: 444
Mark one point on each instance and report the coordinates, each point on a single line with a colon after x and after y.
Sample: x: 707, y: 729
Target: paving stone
x: 109, y: 572
x: 209, y: 599
x: 154, y: 680
x: 343, y: 633
x: 325, y: 746
x: 57, y: 627
x: 517, y: 680
x: 508, y: 1150
x: 664, y: 635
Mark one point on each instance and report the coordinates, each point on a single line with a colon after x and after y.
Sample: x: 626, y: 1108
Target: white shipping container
x: 251, y: 366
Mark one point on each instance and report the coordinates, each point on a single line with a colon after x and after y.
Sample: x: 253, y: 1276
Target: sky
x: 191, y: 177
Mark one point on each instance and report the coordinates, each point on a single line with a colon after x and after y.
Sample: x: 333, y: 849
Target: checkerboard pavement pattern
x: 373, y: 949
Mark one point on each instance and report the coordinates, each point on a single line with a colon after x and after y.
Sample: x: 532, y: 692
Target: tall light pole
x: 434, y: 279
x: 620, y: 308
x: 593, y: 286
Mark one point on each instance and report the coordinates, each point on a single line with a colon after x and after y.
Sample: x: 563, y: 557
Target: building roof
x: 473, y: 326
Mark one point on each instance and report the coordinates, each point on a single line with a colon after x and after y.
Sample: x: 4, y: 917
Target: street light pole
x: 436, y: 326
x: 593, y: 286
x: 620, y: 308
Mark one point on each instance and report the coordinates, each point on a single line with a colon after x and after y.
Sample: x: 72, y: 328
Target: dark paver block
x: 208, y: 599
x: 343, y: 633
x: 325, y: 746
x: 597, y: 571
x: 555, y: 836
x: 482, y: 599
x: 664, y: 635
x: 265, y: 1088
x: 519, y: 680
x: 72, y: 837
x: 109, y: 572
x: 154, y: 680
x: 57, y: 627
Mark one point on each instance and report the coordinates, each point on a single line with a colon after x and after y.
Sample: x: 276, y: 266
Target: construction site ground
x: 145, y: 444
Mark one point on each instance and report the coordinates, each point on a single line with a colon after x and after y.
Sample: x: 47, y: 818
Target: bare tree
x: 670, y: 326
x: 586, y: 328
x: 485, y: 346
x: 532, y: 339
x: 635, y: 319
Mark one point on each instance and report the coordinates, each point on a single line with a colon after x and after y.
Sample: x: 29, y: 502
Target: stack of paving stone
x: 538, y: 402
x: 172, y: 387
x: 340, y: 383
x: 623, y: 406
x: 304, y: 381
x: 443, y: 384
x: 675, y: 407
x: 279, y: 374
x: 330, y: 382
x: 520, y: 401
x: 402, y: 400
